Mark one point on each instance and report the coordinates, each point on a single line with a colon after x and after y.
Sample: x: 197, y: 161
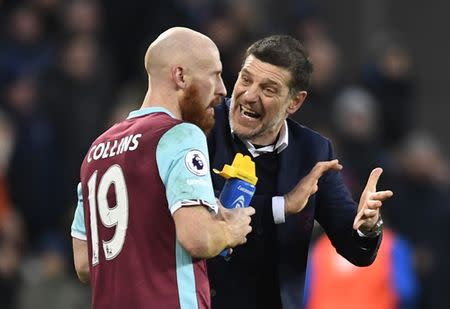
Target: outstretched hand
x: 297, y: 199
x: 370, y: 202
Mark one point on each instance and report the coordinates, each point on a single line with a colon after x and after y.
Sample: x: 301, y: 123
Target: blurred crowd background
x: 71, y: 68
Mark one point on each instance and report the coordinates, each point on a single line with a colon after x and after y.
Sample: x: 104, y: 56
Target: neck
x: 167, y: 101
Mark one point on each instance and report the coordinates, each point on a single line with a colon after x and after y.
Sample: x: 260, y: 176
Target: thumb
x: 357, y: 222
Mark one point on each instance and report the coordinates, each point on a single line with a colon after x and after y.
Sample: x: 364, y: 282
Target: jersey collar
x: 149, y: 110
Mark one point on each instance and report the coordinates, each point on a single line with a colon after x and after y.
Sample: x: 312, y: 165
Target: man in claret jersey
x: 147, y: 216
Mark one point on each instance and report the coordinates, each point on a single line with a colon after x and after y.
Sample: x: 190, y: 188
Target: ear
x: 178, y: 76
x: 296, y: 102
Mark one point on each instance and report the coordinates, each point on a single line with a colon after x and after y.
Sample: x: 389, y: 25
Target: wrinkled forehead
x: 264, y: 71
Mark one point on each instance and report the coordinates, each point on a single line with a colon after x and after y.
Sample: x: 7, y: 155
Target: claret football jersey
x: 133, y: 178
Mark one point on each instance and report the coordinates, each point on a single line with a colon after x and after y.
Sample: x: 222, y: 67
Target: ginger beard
x: 194, y: 112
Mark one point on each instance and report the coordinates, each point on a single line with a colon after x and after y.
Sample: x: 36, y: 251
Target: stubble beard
x: 253, y: 133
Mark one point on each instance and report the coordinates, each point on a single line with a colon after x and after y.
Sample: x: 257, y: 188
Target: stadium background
x: 68, y: 69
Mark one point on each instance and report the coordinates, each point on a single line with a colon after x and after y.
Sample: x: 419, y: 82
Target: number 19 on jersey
x: 117, y: 216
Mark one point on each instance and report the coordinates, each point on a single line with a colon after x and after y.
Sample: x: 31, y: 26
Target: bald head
x: 177, y: 46
x: 184, y: 75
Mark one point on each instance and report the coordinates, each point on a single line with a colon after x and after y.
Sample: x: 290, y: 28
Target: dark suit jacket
x: 235, y: 284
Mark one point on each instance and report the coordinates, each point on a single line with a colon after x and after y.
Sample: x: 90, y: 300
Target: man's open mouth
x: 248, y: 112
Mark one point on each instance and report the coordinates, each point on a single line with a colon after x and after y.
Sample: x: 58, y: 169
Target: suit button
x: 213, y: 292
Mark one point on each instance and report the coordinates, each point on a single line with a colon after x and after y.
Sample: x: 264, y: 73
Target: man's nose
x: 222, y: 91
x: 251, y: 94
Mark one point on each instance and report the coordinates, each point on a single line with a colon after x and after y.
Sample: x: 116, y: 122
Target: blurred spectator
x: 226, y: 34
x: 133, y: 23
x: 7, y: 141
x: 308, y: 22
x: 355, y: 129
x: 81, y: 17
x: 48, y: 285
x: 34, y: 174
x: 248, y: 17
x: 76, y: 94
x: 128, y: 98
x: 196, y: 11
x: 24, y: 49
x: 422, y: 214
x: 387, y: 73
x: 11, y: 252
x: 333, y: 282
x: 11, y: 229
x: 48, y: 11
x: 325, y: 83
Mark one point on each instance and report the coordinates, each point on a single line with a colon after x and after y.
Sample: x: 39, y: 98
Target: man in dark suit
x: 299, y: 181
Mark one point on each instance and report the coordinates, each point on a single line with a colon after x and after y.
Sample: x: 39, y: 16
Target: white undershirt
x: 278, y: 203
x: 279, y: 146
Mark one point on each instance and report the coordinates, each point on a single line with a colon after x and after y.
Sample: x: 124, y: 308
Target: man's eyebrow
x: 265, y: 81
x: 270, y: 82
x: 246, y: 71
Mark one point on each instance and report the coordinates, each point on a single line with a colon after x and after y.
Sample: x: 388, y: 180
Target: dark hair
x: 286, y: 52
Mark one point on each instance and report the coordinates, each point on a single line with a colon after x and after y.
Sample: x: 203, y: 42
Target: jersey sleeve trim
x: 78, y: 235
x: 78, y: 229
x: 192, y: 203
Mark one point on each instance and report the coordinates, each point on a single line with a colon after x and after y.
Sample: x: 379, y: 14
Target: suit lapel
x: 289, y: 165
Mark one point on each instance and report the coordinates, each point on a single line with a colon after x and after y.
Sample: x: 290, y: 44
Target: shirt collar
x: 279, y: 146
x: 149, y: 110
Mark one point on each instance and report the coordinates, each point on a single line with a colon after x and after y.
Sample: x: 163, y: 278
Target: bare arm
x: 205, y: 235
x: 81, y: 259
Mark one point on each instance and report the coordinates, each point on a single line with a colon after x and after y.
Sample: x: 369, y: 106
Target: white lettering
x: 135, y: 142
x: 120, y: 146
x: 124, y: 144
x: 111, y: 152
x: 105, y: 153
x: 105, y: 150
x: 201, y: 182
x: 97, y: 153
x: 245, y: 190
x: 89, y: 159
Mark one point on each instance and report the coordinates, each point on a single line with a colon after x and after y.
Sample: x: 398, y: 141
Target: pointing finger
x: 357, y: 222
x: 373, y: 179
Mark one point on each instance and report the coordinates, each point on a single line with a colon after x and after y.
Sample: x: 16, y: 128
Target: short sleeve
x: 78, y: 229
x: 183, y: 165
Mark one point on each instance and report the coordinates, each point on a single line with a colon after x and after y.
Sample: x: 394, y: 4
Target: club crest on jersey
x: 196, y: 162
